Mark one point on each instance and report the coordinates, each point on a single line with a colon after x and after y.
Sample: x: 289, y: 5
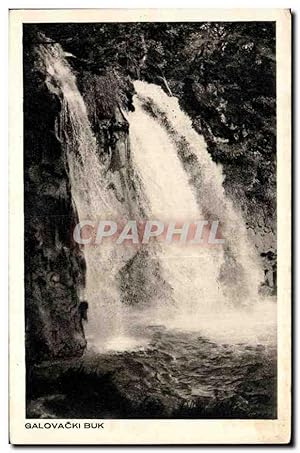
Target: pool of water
x: 169, y: 374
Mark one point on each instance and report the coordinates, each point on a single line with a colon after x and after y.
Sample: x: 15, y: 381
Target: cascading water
x: 191, y: 271
x: 206, y: 284
x: 206, y: 184
x: 91, y: 197
x: 215, y: 289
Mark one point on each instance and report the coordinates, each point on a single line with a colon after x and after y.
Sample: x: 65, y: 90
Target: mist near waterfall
x: 210, y: 290
x: 216, y: 290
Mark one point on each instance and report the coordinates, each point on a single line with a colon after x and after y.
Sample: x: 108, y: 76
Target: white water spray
x: 215, y: 290
x: 191, y: 271
x: 91, y: 197
x: 202, y: 281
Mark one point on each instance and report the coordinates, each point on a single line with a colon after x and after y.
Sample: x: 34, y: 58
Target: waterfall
x: 162, y: 143
x: 91, y: 197
x: 215, y: 290
x: 179, y: 182
x: 191, y: 271
x: 241, y: 268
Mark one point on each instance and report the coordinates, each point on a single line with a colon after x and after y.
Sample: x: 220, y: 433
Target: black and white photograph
x: 150, y: 220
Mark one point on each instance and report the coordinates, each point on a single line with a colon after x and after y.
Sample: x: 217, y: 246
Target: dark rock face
x: 145, y: 272
x: 54, y: 265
